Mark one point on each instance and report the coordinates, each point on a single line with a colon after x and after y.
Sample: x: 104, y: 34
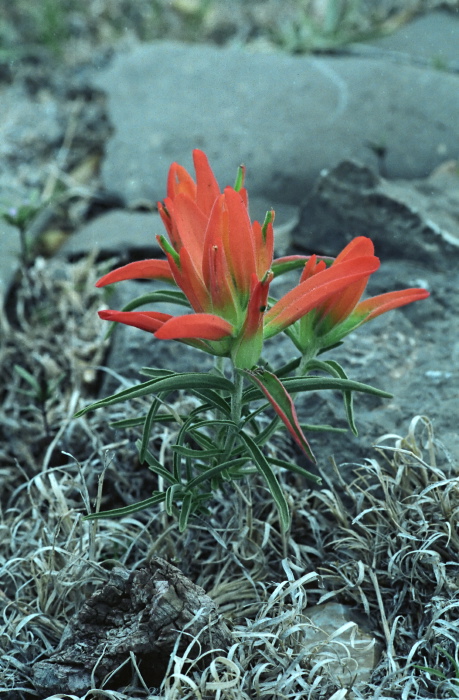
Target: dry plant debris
x: 386, y: 541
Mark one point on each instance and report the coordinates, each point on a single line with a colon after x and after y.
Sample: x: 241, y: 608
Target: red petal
x: 205, y: 326
x: 283, y: 404
x: 264, y: 247
x: 179, y: 180
x: 315, y: 290
x: 239, y: 246
x: 145, y: 320
x: 385, y: 302
x: 312, y: 267
x: 190, y: 226
x: 207, y: 186
x: 357, y: 248
x: 143, y: 269
x: 189, y: 279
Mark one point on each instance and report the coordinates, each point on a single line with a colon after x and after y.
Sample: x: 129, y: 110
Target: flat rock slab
x: 415, y: 220
x: 117, y: 232
x: 433, y: 37
x: 285, y: 117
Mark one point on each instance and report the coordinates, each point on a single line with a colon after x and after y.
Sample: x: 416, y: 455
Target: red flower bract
x: 222, y: 263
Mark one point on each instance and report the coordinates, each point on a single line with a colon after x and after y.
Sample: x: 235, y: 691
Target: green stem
x: 236, y: 410
x: 305, y: 360
x: 220, y: 363
x: 236, y: 398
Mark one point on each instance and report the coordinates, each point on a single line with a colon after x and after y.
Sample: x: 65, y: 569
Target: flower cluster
x: 219, y: 265
x: 224, y: 265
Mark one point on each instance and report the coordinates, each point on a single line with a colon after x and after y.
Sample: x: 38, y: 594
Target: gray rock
x: 9, y: 258
x: 414, y: 220
x: 432, y: 38
x: 349, y: 656
x: 286, y: 117
x: 115, y: 233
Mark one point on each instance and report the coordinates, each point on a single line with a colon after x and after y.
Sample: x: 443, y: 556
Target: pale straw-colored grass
x: 384, y: 541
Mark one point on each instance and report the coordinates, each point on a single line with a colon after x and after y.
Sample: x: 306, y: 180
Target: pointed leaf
x: 158, y: 297
x: 185, y: 451
x: 212, y: 472
x: 156, y: 467
x: 29, y: 378
x: 302, y: 384
x: 127, y: 510
x: 187, y: 380
x: 265, y: 470
x: 172, y: 493
x: 335, y: 369
x: 282, y: 403
x: 147, y: 429
x: 185, y: 513
x: 293, y: 467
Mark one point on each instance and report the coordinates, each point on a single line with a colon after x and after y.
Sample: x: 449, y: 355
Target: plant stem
x: 220, y: 363
x: 236, y: 410
x: 236, y: 398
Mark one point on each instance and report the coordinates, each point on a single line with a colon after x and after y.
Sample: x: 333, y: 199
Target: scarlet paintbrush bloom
x: 223, y: 264
x: 217, y: 257
x: 327, y: 323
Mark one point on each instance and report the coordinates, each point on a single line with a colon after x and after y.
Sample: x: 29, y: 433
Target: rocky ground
x: 362, y: 141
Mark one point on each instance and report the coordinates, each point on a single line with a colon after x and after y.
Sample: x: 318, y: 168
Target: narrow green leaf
x: 155, y: 373
x: 214, y: 400
x: 293, y: 467
x: 168, y: 296
x: 132, y: 393
x: 127, y: 422
x: 127, y: 510
x: 211, y: 422
x: 302, y: 384
x: 432, y: 671
x: 212, y: 472
x: 298, y: 384
x: 196, y: 454
x: 172, y: 493
x: 185, y: 512
x: 187, y: 380
x: 133, y: 422
x: 325, y: 428
x: 282, y: 403
x: 348, y: 396
x: 147, y: 429
x: 156, y: 467
x: 264, y: 468
x: 29, y: 378
x: 288, y: 368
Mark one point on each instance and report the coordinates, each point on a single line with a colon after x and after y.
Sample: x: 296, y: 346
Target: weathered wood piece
x: 141, y: 612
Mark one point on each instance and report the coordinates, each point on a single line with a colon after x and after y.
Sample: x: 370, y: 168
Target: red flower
x: 342, y: 312
x: 222, y: 263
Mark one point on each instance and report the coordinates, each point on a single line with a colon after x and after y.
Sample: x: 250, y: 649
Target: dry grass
x: 387, y: 542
